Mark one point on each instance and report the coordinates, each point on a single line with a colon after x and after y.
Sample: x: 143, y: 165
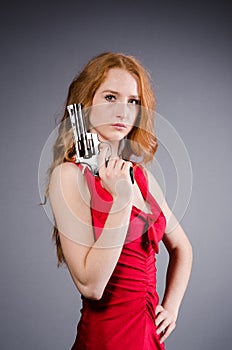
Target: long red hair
x: 82, y: 90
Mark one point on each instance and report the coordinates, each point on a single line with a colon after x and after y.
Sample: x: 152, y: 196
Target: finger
x: 158, y: 309
x: 127, y: 165
x: 119, y: 164
x: 161, y: 317
x: 130, y: 170
x: 167, y: 332
x: 163, y: 326
x: 111, y: 163
x: 127, y: 168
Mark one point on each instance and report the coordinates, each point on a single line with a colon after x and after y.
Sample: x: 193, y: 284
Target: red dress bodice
x: 124, y: 318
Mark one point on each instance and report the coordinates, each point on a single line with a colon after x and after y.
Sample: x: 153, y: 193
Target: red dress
x: 124, y: 318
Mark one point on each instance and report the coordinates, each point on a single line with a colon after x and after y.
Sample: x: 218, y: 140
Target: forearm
x: 103, y: 256
x: 178, y: 273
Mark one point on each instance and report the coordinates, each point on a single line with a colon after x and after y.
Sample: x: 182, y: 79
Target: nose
x: 122, y: 110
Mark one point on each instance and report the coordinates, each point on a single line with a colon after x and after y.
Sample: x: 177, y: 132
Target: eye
x: 110, y: 98
x: 134, y: 101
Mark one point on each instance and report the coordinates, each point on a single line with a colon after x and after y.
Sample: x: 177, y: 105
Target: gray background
x: 187, y: 49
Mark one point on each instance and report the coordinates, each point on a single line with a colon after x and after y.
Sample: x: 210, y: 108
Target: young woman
x: 107, y: 228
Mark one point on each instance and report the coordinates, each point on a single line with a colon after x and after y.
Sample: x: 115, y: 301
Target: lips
x: 119, y: 125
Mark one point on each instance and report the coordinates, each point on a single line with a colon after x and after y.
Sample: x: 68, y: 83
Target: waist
x: 133, y: 278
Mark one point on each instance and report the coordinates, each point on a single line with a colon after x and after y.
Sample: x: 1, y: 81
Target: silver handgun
x: 86, y: 143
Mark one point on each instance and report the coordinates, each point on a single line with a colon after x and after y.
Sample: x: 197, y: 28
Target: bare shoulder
x: 66, y: 170
x: 68, y: 178
x: 70, y: 202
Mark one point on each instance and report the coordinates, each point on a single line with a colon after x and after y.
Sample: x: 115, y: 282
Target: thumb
x: 104, y: 154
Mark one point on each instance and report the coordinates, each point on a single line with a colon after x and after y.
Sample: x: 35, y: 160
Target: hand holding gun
x: 86, y: 144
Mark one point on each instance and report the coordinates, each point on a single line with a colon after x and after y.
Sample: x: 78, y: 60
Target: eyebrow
x: 117, y: 93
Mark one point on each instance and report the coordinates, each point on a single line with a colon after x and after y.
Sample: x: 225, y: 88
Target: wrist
x: 122, y: 203
x: 172, y: 309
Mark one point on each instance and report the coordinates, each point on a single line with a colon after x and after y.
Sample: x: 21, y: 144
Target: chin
x: 112, y: 136
x: 117, y: 137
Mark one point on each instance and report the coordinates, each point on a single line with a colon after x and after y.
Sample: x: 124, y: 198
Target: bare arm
x: 90, y: 262
x: 179, y: 267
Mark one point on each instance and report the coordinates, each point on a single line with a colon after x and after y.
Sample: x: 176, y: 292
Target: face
x: 115, y: 106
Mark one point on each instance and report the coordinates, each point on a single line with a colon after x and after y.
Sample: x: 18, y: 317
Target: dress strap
x: 141, y: 180
x: 88, y: 176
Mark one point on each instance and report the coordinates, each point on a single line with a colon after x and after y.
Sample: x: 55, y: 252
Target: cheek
x: 99, y: 115
x: 134, y: 117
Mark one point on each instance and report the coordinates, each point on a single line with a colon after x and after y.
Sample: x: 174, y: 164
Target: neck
x: 114, y: 148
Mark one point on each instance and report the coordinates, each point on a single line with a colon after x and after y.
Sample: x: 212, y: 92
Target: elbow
x: 91, y: 292
x: 189, y: 250
x: 89, y: 289
x: 184, y: 250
